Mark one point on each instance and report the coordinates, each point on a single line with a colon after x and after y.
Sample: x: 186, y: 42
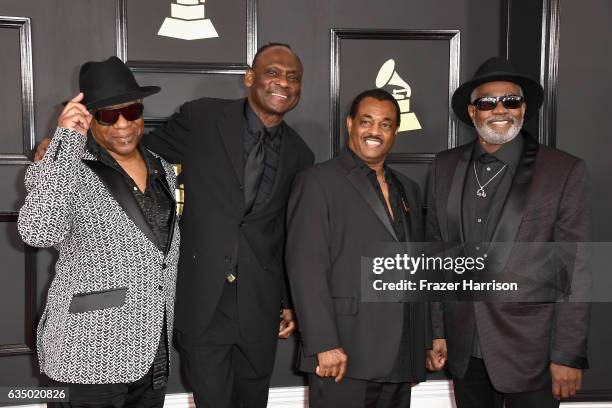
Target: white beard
x: 492, y: 136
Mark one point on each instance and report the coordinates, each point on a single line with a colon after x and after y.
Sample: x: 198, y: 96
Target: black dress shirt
x: 156, y: 206
x: 402, y: 368
x: 272, y: 147
x: 481, y: 213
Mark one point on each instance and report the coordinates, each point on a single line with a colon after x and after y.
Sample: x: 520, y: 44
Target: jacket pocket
x: 85, y: 302
x: 345, y: 305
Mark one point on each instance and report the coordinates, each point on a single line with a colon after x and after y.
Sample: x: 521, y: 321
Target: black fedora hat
x: 110, y: 82
x: 497, y: 69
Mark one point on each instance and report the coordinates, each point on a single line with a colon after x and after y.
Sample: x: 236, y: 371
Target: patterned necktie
x: 253, y: 169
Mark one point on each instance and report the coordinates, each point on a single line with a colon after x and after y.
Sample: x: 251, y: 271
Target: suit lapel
x: 166, y: 183
x: 360, y: 181
x: 116, y: 185
x: 231, y: 127
x: 454, y: 203
x: 405, y: 207
x: 512, y: 213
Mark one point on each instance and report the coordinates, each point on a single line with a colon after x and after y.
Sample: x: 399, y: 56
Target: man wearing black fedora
x: 107, y: 205
x: 506, y: 187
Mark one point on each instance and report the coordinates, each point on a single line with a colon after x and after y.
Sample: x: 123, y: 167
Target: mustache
x: 366, y: 137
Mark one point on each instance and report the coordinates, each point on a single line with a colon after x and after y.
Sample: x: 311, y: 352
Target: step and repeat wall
x: 419, y: 50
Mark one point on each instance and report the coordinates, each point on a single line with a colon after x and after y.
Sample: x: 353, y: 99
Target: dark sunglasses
x: 487, y: 103
x: 108, y: 117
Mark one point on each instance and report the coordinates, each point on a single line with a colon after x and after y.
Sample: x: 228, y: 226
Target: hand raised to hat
x: 75, y: 116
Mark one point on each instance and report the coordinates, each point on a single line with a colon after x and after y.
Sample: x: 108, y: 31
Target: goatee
x: 493, y: 136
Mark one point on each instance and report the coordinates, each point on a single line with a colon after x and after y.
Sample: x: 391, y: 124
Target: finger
x: 72, y: 107
x: 318, y: 371
x: 428, y: 364
x: 556, y: 391
x: 333, y: 371
x: 565, y: 391
x: 571, y: 388
x: 75, y: 118
x: 341, y: 372
x: 42, y: 148
x: 78, y: 98
x: 286, y: 332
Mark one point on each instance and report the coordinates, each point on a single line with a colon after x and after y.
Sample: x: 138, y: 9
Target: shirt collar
x: 509, y: 153
x: 367, y: 169
x: 154, y: 167
x: 254, y: 124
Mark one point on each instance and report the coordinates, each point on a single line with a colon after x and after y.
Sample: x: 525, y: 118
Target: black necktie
x: 253, y: 169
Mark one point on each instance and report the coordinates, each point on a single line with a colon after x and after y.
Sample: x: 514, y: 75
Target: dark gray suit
x: 547, y: 202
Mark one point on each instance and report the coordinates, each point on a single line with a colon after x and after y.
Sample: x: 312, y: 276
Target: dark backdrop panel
x: 12, y: 284
x: 179, y: 88
x: 145, y: 17
x: 67, y: 32
x: 11, y: 136
x: 306, y: 25
x: 585, y: 56
x: 64, y: 33
x: 413, y: 64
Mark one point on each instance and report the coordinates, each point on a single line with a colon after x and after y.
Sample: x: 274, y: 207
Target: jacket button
x: 228, y: 259
x: 241, y: 224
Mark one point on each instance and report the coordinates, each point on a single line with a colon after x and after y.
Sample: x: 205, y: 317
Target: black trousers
x: 475, y: 390
x: 353, y: 393
x: 223, y: 369
x: 137, y: 394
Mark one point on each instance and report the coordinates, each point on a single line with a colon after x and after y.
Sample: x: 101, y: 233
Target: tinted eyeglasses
x: 487, y: 103
x: 109, y: 117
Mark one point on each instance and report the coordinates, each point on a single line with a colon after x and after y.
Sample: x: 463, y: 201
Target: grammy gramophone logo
x: 187, y: 21
x: 388, y: 77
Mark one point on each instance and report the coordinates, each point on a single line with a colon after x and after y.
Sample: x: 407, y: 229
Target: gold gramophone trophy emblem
x: 388, y: 76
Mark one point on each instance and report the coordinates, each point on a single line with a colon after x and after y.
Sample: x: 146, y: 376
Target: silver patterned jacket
x: 105, y: 306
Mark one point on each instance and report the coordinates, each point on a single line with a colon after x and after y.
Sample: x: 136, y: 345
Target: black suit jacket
x: 333, y: 214
x: 547, y: 202
x: 205, y: 136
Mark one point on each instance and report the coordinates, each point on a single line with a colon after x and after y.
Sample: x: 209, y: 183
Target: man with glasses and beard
x: 506, y: 187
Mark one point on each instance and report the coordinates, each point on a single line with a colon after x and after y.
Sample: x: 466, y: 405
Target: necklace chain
x: 481, y: 192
